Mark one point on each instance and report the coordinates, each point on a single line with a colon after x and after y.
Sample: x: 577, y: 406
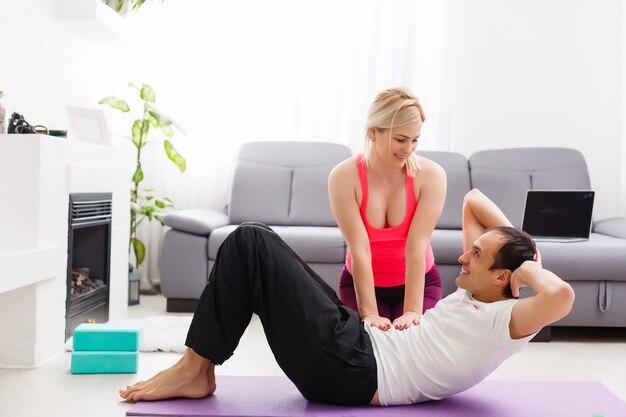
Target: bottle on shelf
x: 3, y: 115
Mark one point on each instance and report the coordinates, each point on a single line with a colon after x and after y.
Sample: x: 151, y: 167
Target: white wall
x: 48, y: 63
x: 623, y: 114
x: 519, y: 73
x: 540, y: 73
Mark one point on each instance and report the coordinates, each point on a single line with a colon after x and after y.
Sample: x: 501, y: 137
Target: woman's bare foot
x: 192, y: 377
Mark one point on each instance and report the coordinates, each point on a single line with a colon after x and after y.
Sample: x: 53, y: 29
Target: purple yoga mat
x: 278, y: 397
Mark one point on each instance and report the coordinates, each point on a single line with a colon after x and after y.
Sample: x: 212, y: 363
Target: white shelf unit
x: 94, y: 16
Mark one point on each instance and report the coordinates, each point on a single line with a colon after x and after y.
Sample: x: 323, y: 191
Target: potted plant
x: 122, y: 6
x: 145, y: 203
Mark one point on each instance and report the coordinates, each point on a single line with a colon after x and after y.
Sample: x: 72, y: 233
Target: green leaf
x: 138, y: 4
x: 166, y: 120
x: 147, y: 93
x: 132, y: 85
x: 167, y: 130
x: 168, y: 200
x: 140, y: 250
x: 154, y: 113
x: 163, y: 119
x: 139, y: 137
x: 174, y: 156
x: 179, y: 128
x: 150, y: 197
x: 138, y: 176
x: 148, y: 190
x: 152, y: 120
x: 116, y: 104
x: 159, y: 204
x: 159, y: 218
x: 149, y: 211
x: 134, y: 207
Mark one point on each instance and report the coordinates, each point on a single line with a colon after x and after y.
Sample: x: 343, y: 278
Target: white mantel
x: 37, y: 174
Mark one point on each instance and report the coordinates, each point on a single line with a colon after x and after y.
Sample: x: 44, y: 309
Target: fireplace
x: 88, y: 260
x: 42, y: 172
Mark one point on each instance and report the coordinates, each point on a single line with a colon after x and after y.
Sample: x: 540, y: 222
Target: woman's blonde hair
x: 391, y: 108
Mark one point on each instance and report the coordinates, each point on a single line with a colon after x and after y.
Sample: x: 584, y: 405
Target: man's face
x: 475, y: 276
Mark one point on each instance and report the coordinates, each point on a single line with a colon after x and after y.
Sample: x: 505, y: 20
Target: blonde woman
x: 387, y: 202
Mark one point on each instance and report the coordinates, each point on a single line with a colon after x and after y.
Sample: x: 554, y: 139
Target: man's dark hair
x: 518, y: 247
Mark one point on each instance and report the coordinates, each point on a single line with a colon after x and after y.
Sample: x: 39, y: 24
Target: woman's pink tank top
x: 388, y: 245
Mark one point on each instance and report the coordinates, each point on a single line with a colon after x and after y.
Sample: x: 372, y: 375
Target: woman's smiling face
x: 397, y: 144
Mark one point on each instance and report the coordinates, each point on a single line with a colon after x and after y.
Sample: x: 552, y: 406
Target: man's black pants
x: 319, y: 343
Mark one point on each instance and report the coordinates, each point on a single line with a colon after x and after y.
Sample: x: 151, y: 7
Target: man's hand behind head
x: 522, y: 275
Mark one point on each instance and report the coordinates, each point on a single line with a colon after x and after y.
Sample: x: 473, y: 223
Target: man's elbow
x: 472, y: 194
x: 564, y: 297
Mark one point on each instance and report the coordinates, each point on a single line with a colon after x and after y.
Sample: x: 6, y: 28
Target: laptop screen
x: 563, y: 214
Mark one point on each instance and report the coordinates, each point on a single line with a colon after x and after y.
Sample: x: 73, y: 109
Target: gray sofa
x: 284, y: 184
x: 281, y: 184
x: 596, y: 269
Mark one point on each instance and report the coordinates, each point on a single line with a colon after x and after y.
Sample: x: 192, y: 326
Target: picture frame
x: 88, y: 125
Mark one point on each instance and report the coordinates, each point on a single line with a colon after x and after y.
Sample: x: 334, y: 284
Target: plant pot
x: 134, y: 283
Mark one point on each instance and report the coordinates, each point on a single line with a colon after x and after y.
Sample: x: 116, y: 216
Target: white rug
x: 165, y: 333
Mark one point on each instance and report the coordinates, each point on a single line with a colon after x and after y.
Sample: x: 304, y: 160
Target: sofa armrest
x: 196, y: 221
x: 615, y: 227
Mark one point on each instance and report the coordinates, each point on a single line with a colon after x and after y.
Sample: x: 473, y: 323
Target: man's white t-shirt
x: 457, y: 344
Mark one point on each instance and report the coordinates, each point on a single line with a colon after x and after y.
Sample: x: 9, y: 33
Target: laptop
x: 558, y: 216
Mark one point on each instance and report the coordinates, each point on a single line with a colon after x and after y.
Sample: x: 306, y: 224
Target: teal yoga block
x: 107, y: 337
x: 104, y: 362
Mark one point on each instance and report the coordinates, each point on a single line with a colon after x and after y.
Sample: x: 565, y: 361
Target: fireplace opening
x: 88, y: 260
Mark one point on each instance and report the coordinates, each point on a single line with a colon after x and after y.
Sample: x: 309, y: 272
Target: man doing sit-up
x: 333, y: 357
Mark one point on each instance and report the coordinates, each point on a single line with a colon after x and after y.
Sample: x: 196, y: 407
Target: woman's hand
x: 374, y: 320
x: 407, y: 320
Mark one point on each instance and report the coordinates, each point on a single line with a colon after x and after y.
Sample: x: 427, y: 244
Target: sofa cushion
x: 310, y: 205
x: 505, y: 188
x: 260, y: 193
x: 457, y: 172
x: 601, y: 257
x: 560, y: 179
x: 311, y: 243
x: 284, y: 183
x: 615, y: 227
x: 505, y: 175
x: 447, y: 246
x: 528, y: 159
x: 196, y: 221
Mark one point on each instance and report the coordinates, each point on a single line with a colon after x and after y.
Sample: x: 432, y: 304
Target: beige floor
x: 50, y: 390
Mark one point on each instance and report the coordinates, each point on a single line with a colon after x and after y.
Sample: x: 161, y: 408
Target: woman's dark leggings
x: 390, y: 300
x: 319, y: 343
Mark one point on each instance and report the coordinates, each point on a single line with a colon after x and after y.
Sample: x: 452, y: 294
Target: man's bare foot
x: 192, y: 377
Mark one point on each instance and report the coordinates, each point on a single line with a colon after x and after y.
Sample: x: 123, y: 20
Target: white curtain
x: 241, y: 71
